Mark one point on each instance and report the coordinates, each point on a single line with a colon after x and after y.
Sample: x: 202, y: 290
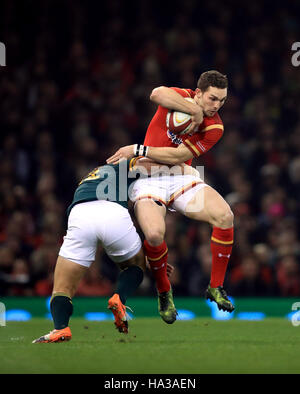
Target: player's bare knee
x: 155, y: 236
x: 224, y: 219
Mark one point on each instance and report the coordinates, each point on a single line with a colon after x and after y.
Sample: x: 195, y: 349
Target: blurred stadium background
x: 76, y: 87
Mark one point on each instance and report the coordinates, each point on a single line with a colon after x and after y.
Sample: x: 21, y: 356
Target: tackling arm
x: 151, y: 167
x: 165, y: 155
x: 168, y: 155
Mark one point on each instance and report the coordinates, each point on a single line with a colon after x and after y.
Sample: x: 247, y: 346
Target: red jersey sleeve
x: 211, y: 130
x: 184, y: 92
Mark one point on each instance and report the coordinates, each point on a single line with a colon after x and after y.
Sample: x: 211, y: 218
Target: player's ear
x: 198, y: 92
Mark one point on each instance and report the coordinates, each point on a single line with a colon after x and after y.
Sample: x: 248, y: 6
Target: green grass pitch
x: 199, y: 346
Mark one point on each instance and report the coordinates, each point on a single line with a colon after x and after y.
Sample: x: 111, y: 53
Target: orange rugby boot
x: 119, y: 311
x: 55, y: 336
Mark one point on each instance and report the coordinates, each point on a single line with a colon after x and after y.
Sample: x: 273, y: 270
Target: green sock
x: 128, y: 282
x: 61, y: 309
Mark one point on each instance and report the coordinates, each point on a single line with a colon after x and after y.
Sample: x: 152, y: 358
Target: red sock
x: 157, y: 257
x: 221, y: 247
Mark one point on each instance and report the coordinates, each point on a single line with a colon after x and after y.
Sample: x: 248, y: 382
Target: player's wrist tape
x: 140, y: 150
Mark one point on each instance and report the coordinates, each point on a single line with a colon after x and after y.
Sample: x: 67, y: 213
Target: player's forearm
x: 164, y: 155
x: 151, y: 167
x: 170, y: 99
x: 168, y: 155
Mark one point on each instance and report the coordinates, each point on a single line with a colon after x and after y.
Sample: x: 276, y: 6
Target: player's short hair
x: 212, y: 78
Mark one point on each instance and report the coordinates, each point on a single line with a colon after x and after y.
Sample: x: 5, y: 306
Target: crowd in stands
x: 76, y: 87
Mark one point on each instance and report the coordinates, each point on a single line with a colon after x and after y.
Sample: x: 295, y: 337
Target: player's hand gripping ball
x: 179, y: 122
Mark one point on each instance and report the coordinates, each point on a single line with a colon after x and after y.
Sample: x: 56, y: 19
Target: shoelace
x: 48, y: 335
x: 223, y: 292
x: 164, y: 300
x: 128, y: 317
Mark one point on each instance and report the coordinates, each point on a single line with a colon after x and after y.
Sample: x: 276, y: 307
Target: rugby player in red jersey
x: 195, y: 200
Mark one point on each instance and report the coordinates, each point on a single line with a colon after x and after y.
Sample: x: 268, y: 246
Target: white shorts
x: 173, y: 191
x: 103, y: 221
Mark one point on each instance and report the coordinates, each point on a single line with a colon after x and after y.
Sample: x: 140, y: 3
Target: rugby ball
x: 179, y: 122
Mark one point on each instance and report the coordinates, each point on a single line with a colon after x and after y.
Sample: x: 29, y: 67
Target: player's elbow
x: 156, y: 94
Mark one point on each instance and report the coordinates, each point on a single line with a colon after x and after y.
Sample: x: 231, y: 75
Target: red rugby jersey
x: 210, y: 131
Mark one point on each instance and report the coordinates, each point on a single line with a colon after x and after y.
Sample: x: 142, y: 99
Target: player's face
x: 211, y: 100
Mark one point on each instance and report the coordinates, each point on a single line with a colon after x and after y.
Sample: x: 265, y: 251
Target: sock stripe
x: 158, y: 258
x: 221, y: 242
x: 221, y: 246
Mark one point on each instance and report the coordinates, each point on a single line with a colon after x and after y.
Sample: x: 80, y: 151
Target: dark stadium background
x: 76, y: 87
